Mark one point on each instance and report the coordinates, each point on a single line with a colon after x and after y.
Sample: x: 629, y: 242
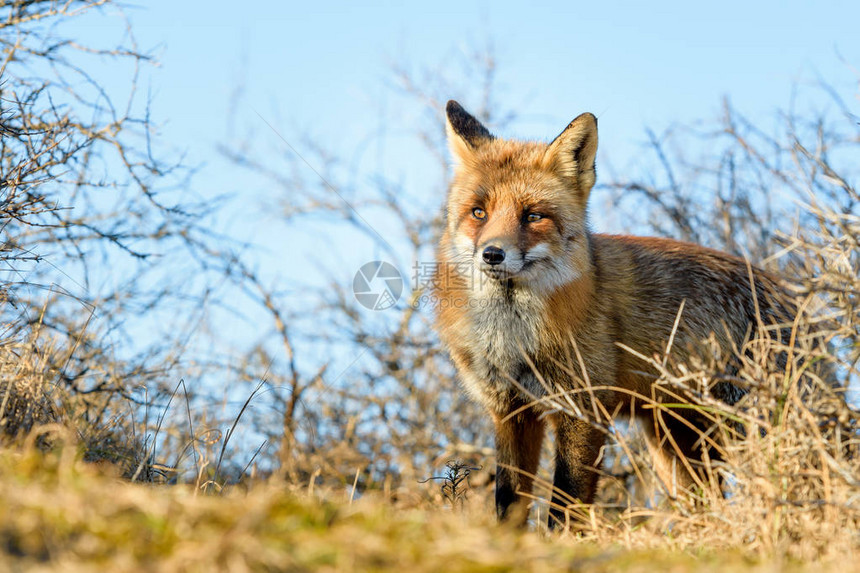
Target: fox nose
x: 493, y: 255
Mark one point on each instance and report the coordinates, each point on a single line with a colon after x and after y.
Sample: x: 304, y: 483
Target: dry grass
x: 59, y: 514
x: 788, y: 483
x: 793, y: 502
x: 34, y: 407
x: 789, y: 452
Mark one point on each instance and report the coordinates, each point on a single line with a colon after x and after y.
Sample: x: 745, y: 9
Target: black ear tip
x: 466, y: 126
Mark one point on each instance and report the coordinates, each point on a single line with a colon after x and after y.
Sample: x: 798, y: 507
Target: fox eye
x: 534, y: 217
x: 479, y: 213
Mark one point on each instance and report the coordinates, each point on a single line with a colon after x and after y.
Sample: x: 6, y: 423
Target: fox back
x: 526, y: 290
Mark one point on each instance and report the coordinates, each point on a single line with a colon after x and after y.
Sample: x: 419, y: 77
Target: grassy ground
x: 58, y: 513
x: 793, y: 479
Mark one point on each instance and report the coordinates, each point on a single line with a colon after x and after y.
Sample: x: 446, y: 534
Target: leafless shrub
x: 96, y: 245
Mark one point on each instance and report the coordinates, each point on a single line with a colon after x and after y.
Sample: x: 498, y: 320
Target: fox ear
x: 465, y: 133
x: 573, y: 152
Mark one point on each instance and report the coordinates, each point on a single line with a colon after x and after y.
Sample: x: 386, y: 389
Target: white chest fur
x: 505, y: 328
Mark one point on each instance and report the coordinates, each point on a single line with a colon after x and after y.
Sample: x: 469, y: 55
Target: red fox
x: 523, y: 280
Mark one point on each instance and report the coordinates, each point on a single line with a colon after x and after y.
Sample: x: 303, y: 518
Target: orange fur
x: 513, y: 327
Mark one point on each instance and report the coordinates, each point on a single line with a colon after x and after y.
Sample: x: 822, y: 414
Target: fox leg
x: 518, y: 444
x: 667, y: 465
x: 668, y: 438
x: 578, y: 446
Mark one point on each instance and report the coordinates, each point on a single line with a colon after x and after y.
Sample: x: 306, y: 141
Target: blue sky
x: 632, y: 63
x: 324, y: 69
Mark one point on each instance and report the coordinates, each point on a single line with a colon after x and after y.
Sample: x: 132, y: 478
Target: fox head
x: 517, y: 210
